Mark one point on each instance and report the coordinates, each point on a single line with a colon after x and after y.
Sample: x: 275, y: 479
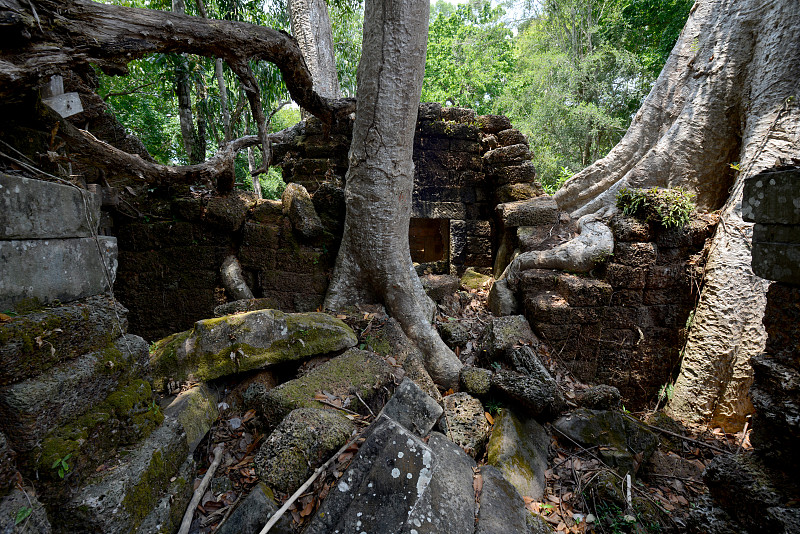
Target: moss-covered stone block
x: 34, y: 342
x: 357, y: 370
x: 518, y: 448
x: 255, y: 340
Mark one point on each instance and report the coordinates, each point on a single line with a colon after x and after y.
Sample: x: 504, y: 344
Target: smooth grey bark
x: 311, y: 26
x: 727, y: 94
x: 374, y: 261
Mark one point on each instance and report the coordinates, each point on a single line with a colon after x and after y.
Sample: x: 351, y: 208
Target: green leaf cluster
x: 672, y: 208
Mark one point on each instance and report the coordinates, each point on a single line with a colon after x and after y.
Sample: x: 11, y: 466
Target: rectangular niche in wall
x: 429, y: 240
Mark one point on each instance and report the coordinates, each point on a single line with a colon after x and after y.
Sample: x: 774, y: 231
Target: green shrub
x: 669, y: 207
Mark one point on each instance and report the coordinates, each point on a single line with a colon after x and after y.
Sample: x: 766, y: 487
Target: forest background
x: 568, y: 73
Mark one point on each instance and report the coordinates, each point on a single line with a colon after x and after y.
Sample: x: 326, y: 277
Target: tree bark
x: 311, y: 26
x: 183, y: 91
x: 374, y: 261
x: 725, y: 95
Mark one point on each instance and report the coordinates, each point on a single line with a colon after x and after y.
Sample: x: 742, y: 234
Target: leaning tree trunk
x: 374, y: 261
x: 726, y: 95
x: 183, y: 91
x: 311, y: 26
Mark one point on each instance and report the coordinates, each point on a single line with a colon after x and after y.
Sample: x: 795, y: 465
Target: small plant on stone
x: 61, y: 466
x: 493, y: 406
x: 672, y: 208
x: 22, y: 514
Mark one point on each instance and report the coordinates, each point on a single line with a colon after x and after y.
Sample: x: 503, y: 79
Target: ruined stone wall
x: 624, y: 323
x: 169, y: 268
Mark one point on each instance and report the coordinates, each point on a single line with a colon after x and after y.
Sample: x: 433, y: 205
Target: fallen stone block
x: 303, y: 441
x: 297, y: 204
x: 33, y: 342
x: 464, y: 423
x: 195, y: 409
x: 413, y: 408
x: 378, y: 492
x: 56, y: 269
x: 166, y: 515
x: 476, y: 381
x: 502, y: 510
x: 537, y: 395
x: 357, y: 370
x: 506, y: 332
x: 254, y: 512
x: 36, y: 209
x: 11, y: 505
x: 254, y: 340
x: 519, y: 450
x: 32, y: 408
x: 539, y: 211
x: 119, y: 499
x: 438, y: 286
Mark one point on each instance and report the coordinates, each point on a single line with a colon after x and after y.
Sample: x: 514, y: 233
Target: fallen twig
x: 297, y: 494
x: 201, y: 489
x: 676, y: 435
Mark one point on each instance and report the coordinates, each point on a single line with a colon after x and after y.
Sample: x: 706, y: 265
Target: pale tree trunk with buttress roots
x: 311, y: 26
x: 374, y: 261
x: 727, y: 94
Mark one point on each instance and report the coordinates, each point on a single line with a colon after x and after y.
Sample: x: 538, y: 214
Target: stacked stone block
x: 624, y: 323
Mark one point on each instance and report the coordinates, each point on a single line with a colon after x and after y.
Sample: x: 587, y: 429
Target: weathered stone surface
x: 126, y: 416
x: 455, y: 333
x: 229, y: 212
x: 511, y: 136
x: 30, y: 409
x: 601, y: 397
x: 628, y: 229
x: 504, y: 154
x: 297, y: 204
x: 438, y: 286
x: 538, y: 395
x: 458, y: 114
x: 387, y: 477
x: 635, y: 254
x: 472, y: 279
x: 235, y: 343
x: 267, y: 211
x: 771, y: 197
x: 519, y: 450
x: 37, y: 522
x: 66, y: 332
x: 464, y: 423
x: 777, y: 261
x: 8, y: 464
x: 476, y: 381
x: 524, y: 359
x: 244, y: 305
x: 56, y: 269
x: 524, y: 173
x: 502, y: 300
x: 35, y: 209
x: 539, y: 211
x: 119, y: 499
x: 413, y: 408
x: 195, y: 409
x: 364, y: 371
x: 303, y: 441
x: 517, y: 192
x: 166, y: 515
x: 448, y: 505
x: 254, y: 512
x: 493, y: 123
x: 583, y: 291
x: 620, y: 438
x: 504, y: 333
x: 502, y: 510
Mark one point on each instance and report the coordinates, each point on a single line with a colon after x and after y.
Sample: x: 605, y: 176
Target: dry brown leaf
x: 489, y: 417
x: 308, y: 509
x: 4, y: 318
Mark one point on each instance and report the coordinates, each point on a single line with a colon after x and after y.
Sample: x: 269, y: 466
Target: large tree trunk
x: 374, y: 261
x: 183, y: 91
x: 311, y: 26
x: 725, y: 95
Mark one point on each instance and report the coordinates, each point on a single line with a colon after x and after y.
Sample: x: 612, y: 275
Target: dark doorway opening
x: 429, y: 240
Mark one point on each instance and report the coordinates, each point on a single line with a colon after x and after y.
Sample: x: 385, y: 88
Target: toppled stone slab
x: 502, y: 510
x: 244, y: 305
x: 355, y: 369
x: 413, y: 408
x: 519, y: 450
x: 438, y: 286
x: 195, y: 409
x: 303, y: 441
x: 119, y: 499
x: 254, y: 512
x: 34, y: 342
x: 35, y: 209
x: 11, y: 505
x: 464, y: 423
x: 600, y: 397
x: 387, y: 477
x: 502, y: 300
x: 127, y: 416
x: 56, y: 269
x: 448, y: 505
x: 297, y: 204
x: 32, y: 408
x: 229, y: 212
x: 474, y: 280
x: 254, y: 340
x: 539, y: 211
x: 620, y: 439
x: 538, y: 395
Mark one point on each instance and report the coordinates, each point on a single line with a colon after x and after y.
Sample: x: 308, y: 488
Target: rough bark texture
x: 183, y: 90
x: 311, y: 26
x: 724, y: 96
x: 374, y: 261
